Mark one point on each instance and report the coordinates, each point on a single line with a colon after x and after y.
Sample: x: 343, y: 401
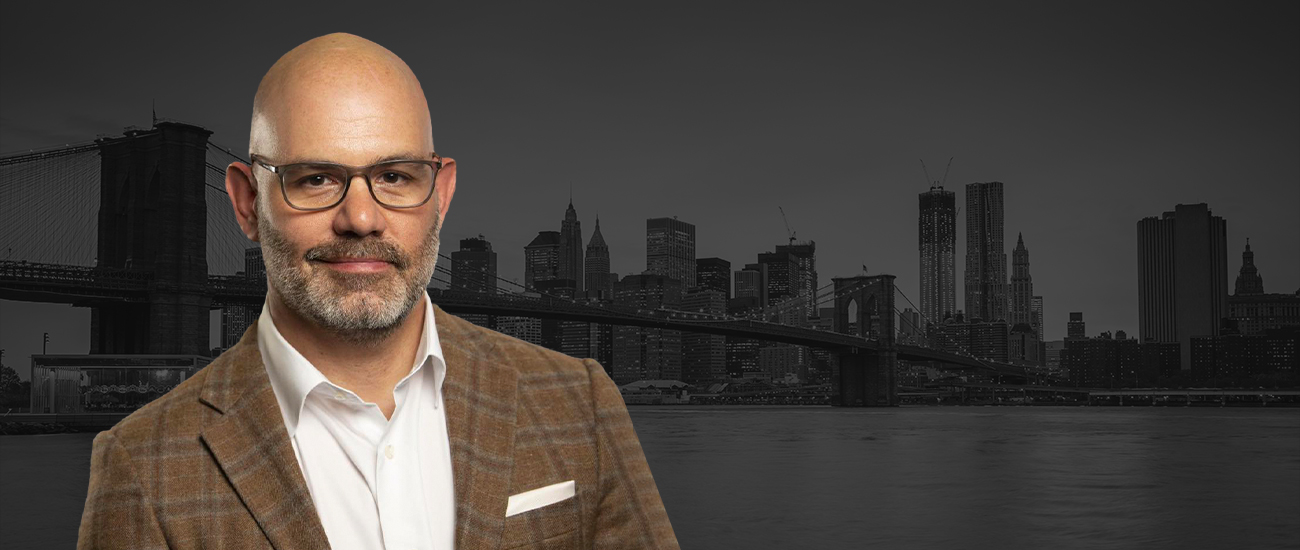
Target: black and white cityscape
x: 891, y: 275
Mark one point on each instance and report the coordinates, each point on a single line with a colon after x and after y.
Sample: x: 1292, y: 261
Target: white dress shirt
x: 376, y: 482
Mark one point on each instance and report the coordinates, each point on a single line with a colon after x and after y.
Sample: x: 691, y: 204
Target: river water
x: 924, y: 477
x: 976, y: 477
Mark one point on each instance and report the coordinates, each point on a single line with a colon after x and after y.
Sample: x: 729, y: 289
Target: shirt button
x: 339, y: 395
x: 388, y: 452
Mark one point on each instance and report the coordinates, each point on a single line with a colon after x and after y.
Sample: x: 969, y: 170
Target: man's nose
x: 359, y: 213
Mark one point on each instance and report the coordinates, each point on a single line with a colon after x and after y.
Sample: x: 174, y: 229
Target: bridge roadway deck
x: 87, y: 286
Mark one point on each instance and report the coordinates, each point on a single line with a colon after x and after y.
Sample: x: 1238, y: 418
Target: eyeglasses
x: 322, y: 185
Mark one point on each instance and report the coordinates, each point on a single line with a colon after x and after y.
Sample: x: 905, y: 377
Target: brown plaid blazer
x: 210, y: 464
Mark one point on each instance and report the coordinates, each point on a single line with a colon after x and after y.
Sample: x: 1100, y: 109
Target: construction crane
x: 940, y: 183
x: 787, y: 224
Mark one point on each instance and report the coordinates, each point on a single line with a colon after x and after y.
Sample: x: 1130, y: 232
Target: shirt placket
x: 398, y: 488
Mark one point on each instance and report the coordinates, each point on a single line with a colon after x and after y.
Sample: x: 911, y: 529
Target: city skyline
x: 1082, y: 157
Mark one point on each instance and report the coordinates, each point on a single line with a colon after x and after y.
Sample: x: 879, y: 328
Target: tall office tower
x: 542, y: 258
x: 642, y: 353
x: 670, y: 249
x: 791, y: 279
x: 474, y: 269
x: 474, y: 266
x: 714, y: 274
x: 1022, y: 305
x: 254, y: 266
x: 751, y: 282
x: 571, y: 249
x: 938, y: 231
x: 236, y: 318
x: 704, y: 356
x: 986, y: 257
x: 1075, y: 328
x: 1038, y: 328
x: 803, y: 279
x: 1037, y: 308
x: 598, y: 283
x: 1182, y: 276
x: 1022, y: 285
x: 742, y: 353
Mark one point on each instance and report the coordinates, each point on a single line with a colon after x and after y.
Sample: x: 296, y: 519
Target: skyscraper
x: 704, y: 356
x: 1182, y: 276
x: 1037, y: 306
x: 670, y: 249
x: 571, y: 249
x: 642, y: 353
x: 474, y: 269
x: 1022, y: 285
x: 986, y: 258
x: 803, y: 280
x: 1075, y: 328
x: 1022, y: 305
x: 474, y: 266
x: 1039, y: 319
x: 714, y: 274
x: 542, y: 258
x: 598, y: 283
x: 938, y: 236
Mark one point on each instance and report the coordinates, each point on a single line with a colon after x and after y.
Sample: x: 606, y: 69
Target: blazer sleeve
x: 629, y: 512
x: 117, y: 512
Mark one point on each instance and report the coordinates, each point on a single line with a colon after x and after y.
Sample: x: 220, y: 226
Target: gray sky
x: 1093, y: 116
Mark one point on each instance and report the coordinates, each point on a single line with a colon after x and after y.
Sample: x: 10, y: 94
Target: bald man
x: 355, y: 413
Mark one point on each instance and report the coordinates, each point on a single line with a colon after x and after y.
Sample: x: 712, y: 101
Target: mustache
x: 369, y: 248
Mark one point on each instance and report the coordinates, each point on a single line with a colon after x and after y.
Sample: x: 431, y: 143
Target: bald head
x: 340, y: 98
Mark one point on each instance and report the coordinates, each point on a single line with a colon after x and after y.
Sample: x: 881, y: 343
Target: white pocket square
x: 537, y: 498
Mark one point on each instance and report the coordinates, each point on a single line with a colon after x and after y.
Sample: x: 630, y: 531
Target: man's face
x: 326, y: 116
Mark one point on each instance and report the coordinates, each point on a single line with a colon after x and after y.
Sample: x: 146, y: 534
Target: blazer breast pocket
x: 541, y: 513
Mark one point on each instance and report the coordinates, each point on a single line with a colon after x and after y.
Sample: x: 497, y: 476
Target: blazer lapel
x: 251, y: 445
x: 480, y: 397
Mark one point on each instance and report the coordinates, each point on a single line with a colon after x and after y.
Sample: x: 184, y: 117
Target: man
x: 354, y: 413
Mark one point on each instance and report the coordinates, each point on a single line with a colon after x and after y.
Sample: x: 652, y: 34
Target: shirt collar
x: 293, y: 377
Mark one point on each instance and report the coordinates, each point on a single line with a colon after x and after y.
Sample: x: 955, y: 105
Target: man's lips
x: 357, y: 265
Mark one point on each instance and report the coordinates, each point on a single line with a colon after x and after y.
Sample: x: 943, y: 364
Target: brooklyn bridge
x: 138, y: 229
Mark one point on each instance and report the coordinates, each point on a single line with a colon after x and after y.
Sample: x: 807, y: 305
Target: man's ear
x: 445, y: 186
x: 242, y: 190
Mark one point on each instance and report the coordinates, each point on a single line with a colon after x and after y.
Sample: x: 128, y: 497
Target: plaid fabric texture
x: 210, y: 465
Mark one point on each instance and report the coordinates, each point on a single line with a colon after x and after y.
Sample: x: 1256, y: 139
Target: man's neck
x: 372, y: 370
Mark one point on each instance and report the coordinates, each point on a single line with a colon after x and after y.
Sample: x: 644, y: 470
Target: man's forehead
x: 340, y: 97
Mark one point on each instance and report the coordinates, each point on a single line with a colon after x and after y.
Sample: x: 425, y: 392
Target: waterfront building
x: 571, y: 266
x: 598, y: 282
x: 938, y: 245
x: 1182, y: 276
x: 670, y: 249
x: 1252, y: 311
x: 986, y: 257
x: 642, y: 353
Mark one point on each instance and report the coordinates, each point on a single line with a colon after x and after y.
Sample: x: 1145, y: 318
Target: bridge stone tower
x: 153, y: 219
x: 863, y: 378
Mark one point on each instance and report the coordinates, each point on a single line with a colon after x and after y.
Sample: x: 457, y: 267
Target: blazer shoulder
x: 175, y: 413
x: 530, y: 360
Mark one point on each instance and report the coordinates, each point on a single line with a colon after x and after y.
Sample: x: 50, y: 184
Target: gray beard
x: 360, y: 308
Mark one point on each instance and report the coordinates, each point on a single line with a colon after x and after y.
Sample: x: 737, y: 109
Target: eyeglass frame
x: 352, y: 172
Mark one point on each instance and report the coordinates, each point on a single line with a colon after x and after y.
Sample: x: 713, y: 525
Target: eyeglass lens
x: 398, y: 184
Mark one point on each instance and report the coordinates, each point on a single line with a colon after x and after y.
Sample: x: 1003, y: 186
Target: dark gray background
x: 1093, y: 115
